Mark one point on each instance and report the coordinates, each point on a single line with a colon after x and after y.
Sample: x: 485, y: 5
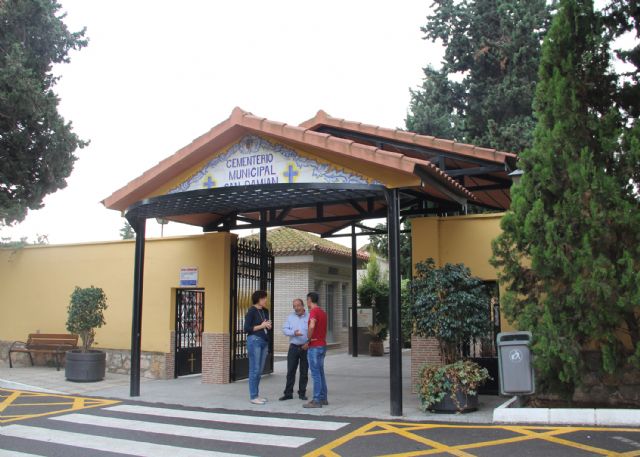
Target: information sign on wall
x: 188, y: 276
x: 365, y: 317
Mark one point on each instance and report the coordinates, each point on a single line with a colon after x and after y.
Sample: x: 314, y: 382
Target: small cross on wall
x: 209, y: 183
x: 291, y: 173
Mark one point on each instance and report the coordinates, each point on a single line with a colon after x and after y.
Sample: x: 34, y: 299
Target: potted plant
x: 450, y: 305
x: 85, y: 313
x: 378, y: 333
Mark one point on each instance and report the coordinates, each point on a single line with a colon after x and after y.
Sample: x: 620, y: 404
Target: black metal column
x: 354, y: 293
x: 136, y: 321
x: 395, y: 329
x: 264, y: 266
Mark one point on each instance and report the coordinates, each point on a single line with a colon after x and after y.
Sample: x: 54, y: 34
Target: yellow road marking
x: 327, y: 449
x: 564, y: 442
x: 524, y: 433
x: 65, y: 403
x: 630, y: 454
x: 434, y: 444
x: 78, y: 403
x: 17, y: 405
x: 7, y: 401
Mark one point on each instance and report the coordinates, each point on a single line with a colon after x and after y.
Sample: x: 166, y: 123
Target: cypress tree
x: 484, y: 90
x: 570, y: 249
x: 36, y: 144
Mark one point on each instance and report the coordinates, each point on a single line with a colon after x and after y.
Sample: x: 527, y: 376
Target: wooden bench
x: 45, y: 343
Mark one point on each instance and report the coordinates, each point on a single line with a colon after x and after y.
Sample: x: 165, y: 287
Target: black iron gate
x: 245, y: 279
x: 189, y: 326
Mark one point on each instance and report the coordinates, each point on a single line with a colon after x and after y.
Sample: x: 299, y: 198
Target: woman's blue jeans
x: 315, y: 355
x: 257, y: 349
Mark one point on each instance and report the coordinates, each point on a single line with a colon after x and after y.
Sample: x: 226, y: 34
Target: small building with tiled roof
x: 286, y: 241
x: 305, y: 262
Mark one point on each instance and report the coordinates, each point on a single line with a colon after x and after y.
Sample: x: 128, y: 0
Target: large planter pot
x: 87, y: 366
x: 376, y: 348
x: 447, y: 405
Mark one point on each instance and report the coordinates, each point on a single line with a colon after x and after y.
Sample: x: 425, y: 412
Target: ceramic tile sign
x: 188, y: 276
x: 254, y: 161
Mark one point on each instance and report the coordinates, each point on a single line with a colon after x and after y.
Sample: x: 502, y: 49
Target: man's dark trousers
x: 296, y: 355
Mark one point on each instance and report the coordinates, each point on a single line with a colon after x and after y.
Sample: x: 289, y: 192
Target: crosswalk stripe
x: 5, y: 453
x: 182, y: 430
x: 229, y: 418
x: 102, y: 443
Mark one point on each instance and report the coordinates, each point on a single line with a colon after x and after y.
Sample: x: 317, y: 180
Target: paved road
x: 34, y: 424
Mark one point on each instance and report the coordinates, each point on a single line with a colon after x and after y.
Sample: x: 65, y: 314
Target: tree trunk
x: 633, y: 325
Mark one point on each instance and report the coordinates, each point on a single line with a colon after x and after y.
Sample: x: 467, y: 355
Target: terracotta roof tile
x: 295, y: 133
x: 408, y: 137
x: 286, y: 241
x: 322, y: 118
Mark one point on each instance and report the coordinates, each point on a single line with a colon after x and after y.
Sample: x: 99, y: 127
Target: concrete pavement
x: 358, y: 387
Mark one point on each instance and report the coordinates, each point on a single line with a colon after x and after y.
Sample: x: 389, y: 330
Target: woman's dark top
x: 255, y: 317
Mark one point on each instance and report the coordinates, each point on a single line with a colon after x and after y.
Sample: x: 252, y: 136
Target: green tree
x: 126, y: 232
x: 8, y: 242
x: 373, y: 292
x: 379, y: 244
x: 569, y: 253
x: 85, y: 313
x: 483, y: 92
x: 36, y: 144
x: 437, y: 107
x: 623, y: 16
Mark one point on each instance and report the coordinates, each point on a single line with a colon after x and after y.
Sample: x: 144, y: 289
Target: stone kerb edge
x: 510, y: 412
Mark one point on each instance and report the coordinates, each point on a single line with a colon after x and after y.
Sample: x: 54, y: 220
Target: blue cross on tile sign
x: 209, y: 183
x: 291, y: 173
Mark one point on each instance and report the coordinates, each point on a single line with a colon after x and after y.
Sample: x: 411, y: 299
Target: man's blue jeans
x: 316, y: 367
x: 257, y: 349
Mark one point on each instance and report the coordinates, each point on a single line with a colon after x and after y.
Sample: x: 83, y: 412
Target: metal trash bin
x: 514, y: 363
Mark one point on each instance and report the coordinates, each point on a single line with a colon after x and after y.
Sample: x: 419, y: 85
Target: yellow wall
x: 37, y: 281
x: 461, y: 239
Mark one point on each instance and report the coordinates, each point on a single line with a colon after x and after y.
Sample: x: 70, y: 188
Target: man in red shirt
x: 317, y: 343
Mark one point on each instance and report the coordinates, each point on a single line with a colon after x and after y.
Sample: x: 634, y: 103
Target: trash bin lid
x: 509, y: 338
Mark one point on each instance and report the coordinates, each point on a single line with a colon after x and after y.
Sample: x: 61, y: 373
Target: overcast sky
x: 157, y: 74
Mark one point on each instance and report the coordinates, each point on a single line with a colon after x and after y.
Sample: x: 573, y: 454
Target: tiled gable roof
x: 322, y: 118
x: 221, y: 134
x: 286, y: 241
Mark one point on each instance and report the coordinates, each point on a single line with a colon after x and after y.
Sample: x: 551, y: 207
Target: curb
x: 510, y: 412
x: 6, y: 384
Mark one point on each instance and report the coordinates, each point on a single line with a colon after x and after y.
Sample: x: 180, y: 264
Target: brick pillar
x: 170, y: 357
x: 423, y: 350
x: 216, y: 357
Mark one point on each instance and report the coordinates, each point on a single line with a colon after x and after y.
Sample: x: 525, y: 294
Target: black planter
x: 467, y: 403
x: 85, y: 366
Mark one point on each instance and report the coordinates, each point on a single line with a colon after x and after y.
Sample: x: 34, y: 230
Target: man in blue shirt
x: 295, y: 328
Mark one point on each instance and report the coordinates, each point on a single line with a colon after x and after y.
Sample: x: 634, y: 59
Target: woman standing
x: 257, y: 326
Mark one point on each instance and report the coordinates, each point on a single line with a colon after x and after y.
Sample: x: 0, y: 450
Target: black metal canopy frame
x: 248, y: 199
x: 273, y: 203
